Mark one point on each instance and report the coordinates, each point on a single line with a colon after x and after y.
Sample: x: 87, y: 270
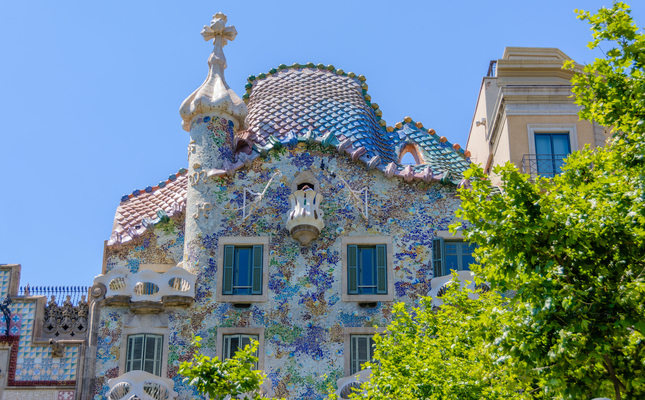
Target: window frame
x: 158, y: 363
x: 570, y: 129
x: 259, y: 332
x: 389, y: 267
x: 153, y: 324
x: 240, y: 241
x: 442, y: 238
x: 347, y: 338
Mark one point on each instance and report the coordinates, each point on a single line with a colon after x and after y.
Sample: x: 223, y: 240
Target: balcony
x: 149, y: 291
x: 350, y: 384
x: 305, y: 219
x: 439, y: 286
x: 545, y: 165
x: 141, y: 385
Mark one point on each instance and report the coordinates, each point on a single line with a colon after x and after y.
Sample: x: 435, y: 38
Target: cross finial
x: 217, y: 28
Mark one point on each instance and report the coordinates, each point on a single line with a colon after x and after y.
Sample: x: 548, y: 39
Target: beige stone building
x: 525, y: 114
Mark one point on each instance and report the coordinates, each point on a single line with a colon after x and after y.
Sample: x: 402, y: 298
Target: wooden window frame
x: 243, y: 242
x: 158, y: 362
x: 367, y: 241
x: 259, y: 332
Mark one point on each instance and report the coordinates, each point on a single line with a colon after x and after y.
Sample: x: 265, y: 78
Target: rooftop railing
x: 60, y: 292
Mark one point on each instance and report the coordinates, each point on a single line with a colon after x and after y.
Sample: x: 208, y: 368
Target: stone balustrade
x: 141, y: 385
x: 305, y: 218
x: 147, y: 285
x: 440, y: 285
x: 349, y: 384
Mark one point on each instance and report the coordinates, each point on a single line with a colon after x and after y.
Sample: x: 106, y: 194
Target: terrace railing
x: 546, y: 165
x: 59, y: 292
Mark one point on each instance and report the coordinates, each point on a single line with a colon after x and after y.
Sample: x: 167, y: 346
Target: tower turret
x: 212, y: 114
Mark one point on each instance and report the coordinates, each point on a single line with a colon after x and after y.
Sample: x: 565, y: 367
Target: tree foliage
x: 571, y: 247
x: 574, y: 246
x: 444, y: 354
x: 234, y: 376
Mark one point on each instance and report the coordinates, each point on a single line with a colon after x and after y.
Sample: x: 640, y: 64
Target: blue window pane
x: 367, y: 273
x: 543, y: 144
x: 561, y: 143
x: 242, y: 279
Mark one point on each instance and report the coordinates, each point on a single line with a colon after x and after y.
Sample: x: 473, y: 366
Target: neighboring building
x: 525, y: 114
x: 41, y: 357
x: 294, y: 224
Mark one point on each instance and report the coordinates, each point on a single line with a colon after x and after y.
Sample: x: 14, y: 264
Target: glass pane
x: 451, y: 258
x: 242, y: 270
x: 560, y: 149
x: 367, y: 273
x: 543, y: 143
x: 561, y: 143
x: 467, y: 257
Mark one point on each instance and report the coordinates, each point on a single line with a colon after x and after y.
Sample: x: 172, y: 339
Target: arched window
x: 410, y: 155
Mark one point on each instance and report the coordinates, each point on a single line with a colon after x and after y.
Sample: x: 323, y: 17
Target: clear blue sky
x: 90, y: 92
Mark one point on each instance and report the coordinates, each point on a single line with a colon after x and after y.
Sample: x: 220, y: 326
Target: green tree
x: 444, y: 354
x: 573, y: 246
x: 234, y: 376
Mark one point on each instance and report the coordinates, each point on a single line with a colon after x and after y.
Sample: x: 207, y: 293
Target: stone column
x: 212, y: 115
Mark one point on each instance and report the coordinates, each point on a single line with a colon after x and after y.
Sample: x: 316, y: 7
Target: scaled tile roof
x: 149, y: 206
x: 307, y: 103
x: 304, y: 99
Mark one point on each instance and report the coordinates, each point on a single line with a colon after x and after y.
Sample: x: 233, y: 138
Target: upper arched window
x: 410, y: 155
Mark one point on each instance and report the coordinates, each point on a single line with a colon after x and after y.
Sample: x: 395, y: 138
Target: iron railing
x: 546, y: 165
x: 60, y: 292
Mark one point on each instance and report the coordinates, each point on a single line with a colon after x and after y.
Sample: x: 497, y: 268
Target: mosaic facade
x: 305, y: 316
x: 246, y: 157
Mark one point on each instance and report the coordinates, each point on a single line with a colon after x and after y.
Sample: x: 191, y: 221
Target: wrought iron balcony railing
x: 546, y: 165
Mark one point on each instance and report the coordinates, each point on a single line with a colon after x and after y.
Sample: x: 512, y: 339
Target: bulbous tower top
x: 214, y: 97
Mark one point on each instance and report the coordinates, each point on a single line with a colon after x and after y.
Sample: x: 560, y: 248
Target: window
x: 550, y: 150
x: 243, y: 269
x: 233, y: 343
x: 549, y: 145
x: 144, y: 353
x: 232, y: 339
x: 367, y: 269
x: 361, y: 351
x: 451, y: 254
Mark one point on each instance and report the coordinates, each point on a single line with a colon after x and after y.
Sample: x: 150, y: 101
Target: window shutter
x: 381, y: 269
x: 257, y: 270
x: 354, y: 355
x: 152, y: 354
x: 352, y: 269
x: 227, y: 285
x: 437, y: 257
x: 134, y: 361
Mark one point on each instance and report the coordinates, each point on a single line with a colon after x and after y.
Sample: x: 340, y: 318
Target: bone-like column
x: 212, y: 114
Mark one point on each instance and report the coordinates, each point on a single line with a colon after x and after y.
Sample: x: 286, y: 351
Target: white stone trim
x: 552, y: 128
x: 447, y: 235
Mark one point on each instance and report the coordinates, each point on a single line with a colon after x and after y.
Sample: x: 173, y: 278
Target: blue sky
x: 90, y: 92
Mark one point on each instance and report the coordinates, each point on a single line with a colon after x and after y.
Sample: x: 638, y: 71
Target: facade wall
x: 304, y: 319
